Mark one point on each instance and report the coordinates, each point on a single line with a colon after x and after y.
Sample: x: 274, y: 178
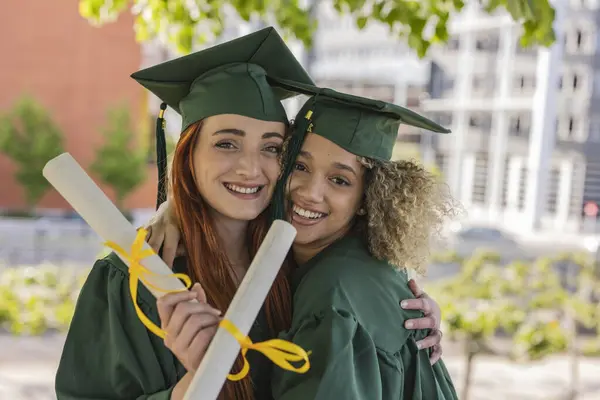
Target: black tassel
x: 305, y: 125
x: 161, y: 156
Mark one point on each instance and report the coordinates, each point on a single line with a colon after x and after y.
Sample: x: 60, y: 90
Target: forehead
x: 246, y: 124
x: 324, y: 151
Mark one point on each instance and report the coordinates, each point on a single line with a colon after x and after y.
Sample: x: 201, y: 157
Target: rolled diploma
x: 76, y: 186
x: 242, y: 312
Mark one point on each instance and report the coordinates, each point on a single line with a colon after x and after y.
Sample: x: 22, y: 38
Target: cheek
x: 271, y: 168
x: 292, y: 183
x: 209, y: 165
x: 348, y: 204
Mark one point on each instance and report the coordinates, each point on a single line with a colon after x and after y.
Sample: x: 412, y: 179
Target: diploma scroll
x: 90, y: 202
x: 242, y: 312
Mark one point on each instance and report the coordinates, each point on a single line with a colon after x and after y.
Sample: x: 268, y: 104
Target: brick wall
x: 77, y: 71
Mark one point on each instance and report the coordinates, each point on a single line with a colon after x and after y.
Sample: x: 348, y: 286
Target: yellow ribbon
x: 281, y: 352
x: 137, y: 272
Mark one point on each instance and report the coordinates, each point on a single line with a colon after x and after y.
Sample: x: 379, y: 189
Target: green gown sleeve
x: 109, y: 354
x: 344, y: 362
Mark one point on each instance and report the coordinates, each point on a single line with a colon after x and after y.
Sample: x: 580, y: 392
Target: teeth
x: 307, y: 214
x: 240, y: 189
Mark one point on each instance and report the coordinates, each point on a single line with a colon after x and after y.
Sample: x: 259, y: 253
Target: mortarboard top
x: 360, y: 125
x: 229, y: 78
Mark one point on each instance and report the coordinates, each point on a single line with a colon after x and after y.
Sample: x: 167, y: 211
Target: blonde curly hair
x: 406, y: 208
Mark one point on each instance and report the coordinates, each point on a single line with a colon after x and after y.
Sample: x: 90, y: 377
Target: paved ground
x: 27, y: 368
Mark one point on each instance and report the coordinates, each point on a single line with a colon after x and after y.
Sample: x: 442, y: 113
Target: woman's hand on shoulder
x: 163, y: 231
x: 189, y: 325
x: 431, y: 320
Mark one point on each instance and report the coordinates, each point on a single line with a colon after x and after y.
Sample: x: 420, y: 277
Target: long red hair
x: 207, y: 261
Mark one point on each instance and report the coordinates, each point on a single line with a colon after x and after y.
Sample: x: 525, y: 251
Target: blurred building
x: 483, y: 85
x: 370, y: 62
x: 74, y: 70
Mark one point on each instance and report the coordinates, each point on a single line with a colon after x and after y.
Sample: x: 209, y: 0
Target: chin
x: 304, y: 239
x: 244, y: 215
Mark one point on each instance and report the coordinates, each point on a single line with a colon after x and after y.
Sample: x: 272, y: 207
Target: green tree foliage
x: 538, y: 304
x: 422, y: 23
x: 30, y: 138
x: 118, y: 163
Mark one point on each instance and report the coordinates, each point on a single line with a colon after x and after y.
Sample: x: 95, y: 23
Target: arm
x: 108, y: 353
x: 343, y: 359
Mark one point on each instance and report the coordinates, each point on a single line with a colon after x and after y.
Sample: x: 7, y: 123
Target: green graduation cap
x: 229, y: 78
x: 360, y: 125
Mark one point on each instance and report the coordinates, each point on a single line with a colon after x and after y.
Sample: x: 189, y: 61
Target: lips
x: 306, y: 217
x: 244, y: 189
x: 244, y: 192
x: 309, y: 214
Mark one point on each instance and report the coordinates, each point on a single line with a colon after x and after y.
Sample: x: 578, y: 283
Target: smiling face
x: 236, y: 165
x: 326, y: 190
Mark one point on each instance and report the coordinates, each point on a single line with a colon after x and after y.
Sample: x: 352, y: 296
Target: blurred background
x: 517, y: 81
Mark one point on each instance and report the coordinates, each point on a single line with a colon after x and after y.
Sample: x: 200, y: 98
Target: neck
x: 303, y: 252
x: 233, y: 237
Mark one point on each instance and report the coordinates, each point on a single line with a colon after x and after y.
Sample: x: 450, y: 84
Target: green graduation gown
x: 347, y: 313
x: 110, y: 355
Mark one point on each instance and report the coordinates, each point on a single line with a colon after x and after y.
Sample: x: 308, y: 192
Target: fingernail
x: 410, y: 324
x: 403, y: 304
x: 419, y: 345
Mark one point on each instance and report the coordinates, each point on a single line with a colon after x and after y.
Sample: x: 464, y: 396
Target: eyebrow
x: 337, y: 165
x: 239, y: 132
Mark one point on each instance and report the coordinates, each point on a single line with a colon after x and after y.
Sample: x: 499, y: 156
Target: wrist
x: 182, y: 386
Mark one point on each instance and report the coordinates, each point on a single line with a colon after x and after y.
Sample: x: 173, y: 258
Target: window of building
x: 519, y: 125
x: 580, y: 39
x: 479, y: 192
x: 591, y: 191
x: 571, y: 126
x: 552, y: 190
x: 577, y: 189
x: 505, y: 183
x: 524, y: 83
x: 560, y: 82
x: 522, y: 188
x: 453, y: 44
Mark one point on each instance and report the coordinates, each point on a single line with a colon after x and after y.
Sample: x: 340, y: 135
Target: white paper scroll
x: 75, y: 185
x: 90, y: 202
x: 244, y: 308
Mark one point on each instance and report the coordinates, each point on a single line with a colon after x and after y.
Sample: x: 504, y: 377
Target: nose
x: 311, y: 190
x: 249, y: 165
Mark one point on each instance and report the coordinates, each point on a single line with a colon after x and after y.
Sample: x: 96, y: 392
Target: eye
x: 340, y: 181
x: 225, y: 145
x: 273, y: 149
x: 299, y: 167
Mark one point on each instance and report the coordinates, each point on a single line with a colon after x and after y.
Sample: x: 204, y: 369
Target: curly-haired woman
x: 362, y: 221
